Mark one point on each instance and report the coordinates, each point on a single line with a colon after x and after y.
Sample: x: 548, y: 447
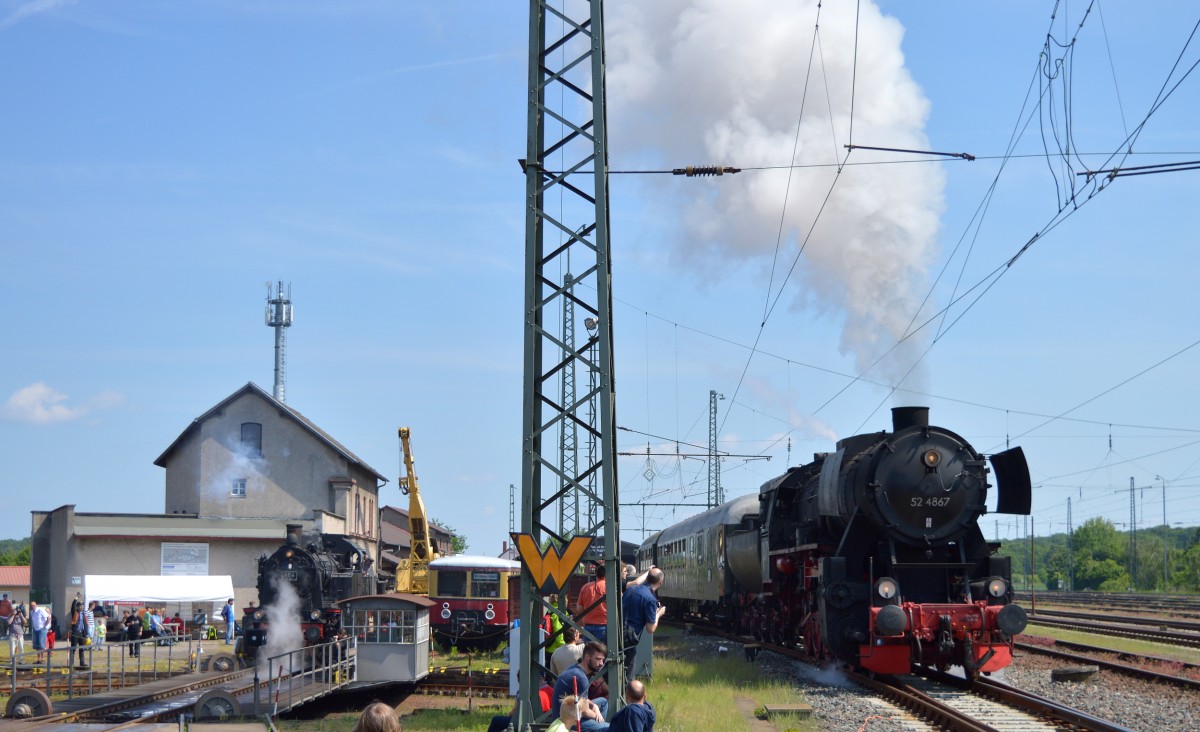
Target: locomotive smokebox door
x: 1014, y: 489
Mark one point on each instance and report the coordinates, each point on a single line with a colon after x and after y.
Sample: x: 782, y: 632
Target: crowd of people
x: 86, y: 629
x: 569, y: 694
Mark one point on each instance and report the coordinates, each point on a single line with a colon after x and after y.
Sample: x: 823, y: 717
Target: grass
x: 690, y: 694
x: 1129, y: 645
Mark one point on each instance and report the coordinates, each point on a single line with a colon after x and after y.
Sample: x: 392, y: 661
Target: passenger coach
x: 471, y: 601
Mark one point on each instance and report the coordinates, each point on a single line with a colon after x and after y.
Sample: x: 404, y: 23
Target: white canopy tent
x: 156, y: 589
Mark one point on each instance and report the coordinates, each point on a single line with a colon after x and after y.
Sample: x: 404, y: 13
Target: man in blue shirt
x: 642, y: 612
x: 227, y: 615
x: 638, y: 714
x: 576, y: 680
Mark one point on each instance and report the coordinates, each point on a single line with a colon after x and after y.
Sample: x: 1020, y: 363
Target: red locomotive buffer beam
x: 976, y: 636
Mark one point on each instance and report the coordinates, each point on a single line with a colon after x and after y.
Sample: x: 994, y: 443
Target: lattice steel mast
x: 716, y: 496
x: 566, y: 184
x: 568, y: 438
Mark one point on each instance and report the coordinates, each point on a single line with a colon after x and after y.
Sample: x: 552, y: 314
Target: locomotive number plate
x: 931, y: 502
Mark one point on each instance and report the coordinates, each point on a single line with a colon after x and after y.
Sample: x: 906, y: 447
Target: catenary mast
x: 566, y: 219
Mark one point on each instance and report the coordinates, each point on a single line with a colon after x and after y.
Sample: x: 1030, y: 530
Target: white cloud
x: 30, y: 9
x: 42, y: 404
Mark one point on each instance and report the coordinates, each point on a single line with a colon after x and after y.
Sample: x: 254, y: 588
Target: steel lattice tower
x: 716, y: 496
x: 566, y: 187
x: 568, y: 438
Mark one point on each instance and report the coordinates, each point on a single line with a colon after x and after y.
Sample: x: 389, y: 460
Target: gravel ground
x: 1138, y: 705
x: 839, y: 705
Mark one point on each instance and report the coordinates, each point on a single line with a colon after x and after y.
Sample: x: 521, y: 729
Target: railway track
x: 1078, y: 653
x: 1178, y: 605
x: 953, y: 703
x: 156, y: 701
x: 1139, y: 632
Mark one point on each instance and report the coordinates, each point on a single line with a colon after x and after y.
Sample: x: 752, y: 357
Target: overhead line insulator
x: 695, y: 171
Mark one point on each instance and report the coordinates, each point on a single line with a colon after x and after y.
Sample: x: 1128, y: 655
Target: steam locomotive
x: 871, y: 554
x: 300, y: 584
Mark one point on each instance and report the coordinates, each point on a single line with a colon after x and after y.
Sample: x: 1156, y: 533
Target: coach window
x: 252, y: 439
x: 485, y: 584
x: 452, y: 584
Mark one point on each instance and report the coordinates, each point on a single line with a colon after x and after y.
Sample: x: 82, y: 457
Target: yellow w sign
x: 549, y: 568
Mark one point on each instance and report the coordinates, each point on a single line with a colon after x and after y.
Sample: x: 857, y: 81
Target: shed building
x: 235, y: 477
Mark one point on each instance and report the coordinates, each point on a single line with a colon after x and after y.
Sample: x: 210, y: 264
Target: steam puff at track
x: 731, y: 83
x: 285, y: 634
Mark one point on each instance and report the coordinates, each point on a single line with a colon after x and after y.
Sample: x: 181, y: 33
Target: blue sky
x: 162, y: 161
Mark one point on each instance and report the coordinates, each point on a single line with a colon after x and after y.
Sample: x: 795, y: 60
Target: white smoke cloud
x: 709, y: 81
x: 243, y: 464
x: 283, y: 629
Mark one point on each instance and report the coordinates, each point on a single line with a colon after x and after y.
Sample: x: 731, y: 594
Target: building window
x: 252, y: 439
x: 239, y: 488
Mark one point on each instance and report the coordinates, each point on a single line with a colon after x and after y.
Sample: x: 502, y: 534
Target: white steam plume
x: 243, y: 463
x: 283, y: 628
x: 715, y: 82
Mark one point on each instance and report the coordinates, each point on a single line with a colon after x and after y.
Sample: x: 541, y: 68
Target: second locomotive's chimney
x: 294, y: 533
x: 905, y: 417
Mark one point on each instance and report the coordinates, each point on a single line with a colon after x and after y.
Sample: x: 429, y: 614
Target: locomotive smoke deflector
x: 1014, y: 489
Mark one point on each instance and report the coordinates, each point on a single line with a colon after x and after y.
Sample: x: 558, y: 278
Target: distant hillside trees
x: 1102, y: 557
x: 14, y: 552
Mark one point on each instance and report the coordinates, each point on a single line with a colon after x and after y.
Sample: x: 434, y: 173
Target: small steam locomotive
x: 299, y: 585
x: 871, y: 554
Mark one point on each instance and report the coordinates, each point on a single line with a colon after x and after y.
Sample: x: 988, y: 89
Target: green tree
x: 458, y: 543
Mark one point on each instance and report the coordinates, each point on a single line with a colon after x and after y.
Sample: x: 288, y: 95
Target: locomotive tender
x: 871, y: 554
x: 322, y: 571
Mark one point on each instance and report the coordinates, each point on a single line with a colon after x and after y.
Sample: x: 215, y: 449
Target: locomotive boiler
x: 871, y: 554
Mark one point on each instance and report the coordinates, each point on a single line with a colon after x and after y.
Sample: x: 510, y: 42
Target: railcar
x: 471, y: 601
x: 871, y: 554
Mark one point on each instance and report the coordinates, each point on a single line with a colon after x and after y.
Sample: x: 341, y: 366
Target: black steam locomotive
x: 871, y: 554
x: 300, y: 584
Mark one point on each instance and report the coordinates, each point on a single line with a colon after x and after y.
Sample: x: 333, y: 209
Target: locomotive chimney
x: 294, y: 532
x: 905, y: 417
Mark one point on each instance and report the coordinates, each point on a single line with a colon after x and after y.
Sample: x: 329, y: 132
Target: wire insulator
x: 693, y: 171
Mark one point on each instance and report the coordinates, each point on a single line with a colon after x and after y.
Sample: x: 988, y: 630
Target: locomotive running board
x: 1014, y: 489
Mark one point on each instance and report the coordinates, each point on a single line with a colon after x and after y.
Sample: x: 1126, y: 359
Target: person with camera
x: 16, y: 632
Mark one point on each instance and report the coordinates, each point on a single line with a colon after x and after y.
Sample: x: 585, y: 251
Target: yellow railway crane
x: 412, y: 575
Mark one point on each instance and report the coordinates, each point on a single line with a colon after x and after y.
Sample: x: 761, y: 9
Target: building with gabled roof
x: 252, y: 456
x: 235, y: 477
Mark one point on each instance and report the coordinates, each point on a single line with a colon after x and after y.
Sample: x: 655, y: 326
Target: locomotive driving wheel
x: 28, y: 702
x: 812, y: 636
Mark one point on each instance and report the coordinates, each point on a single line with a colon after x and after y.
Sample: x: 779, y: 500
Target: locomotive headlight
x: 289, y: 553
x: 997, y: 587
x: 932, y: 458
x: 887, y: 588
x: 315, y: 615
x: 258, y: 614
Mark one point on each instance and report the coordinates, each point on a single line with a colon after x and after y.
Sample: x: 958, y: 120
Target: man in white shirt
x: 39, y: 624
x: 569, y: 653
